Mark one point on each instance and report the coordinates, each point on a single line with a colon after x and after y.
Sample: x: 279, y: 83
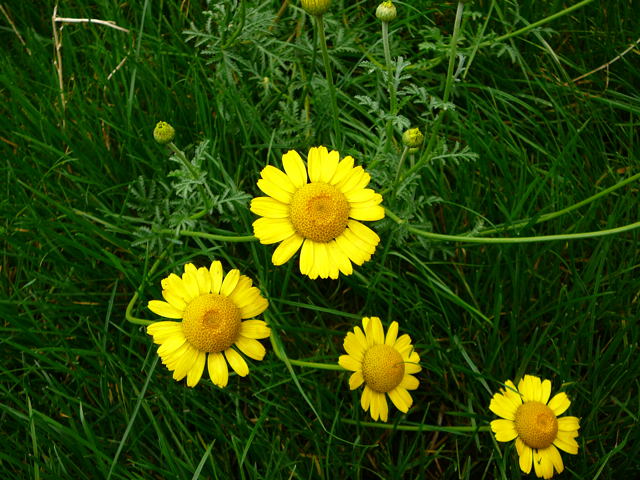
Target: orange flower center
x: 536, y: 424
x: 319, y: 211
x: 211, y: 323
x: 382, y: 368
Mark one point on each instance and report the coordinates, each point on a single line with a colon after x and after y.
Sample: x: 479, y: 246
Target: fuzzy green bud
x: 164, y: 133
x: 412, y: 138
x: 316, y: 7
x: 386, y: 11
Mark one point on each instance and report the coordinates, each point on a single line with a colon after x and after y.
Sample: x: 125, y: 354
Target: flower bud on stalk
x: 164, y: 133
x: 386, y: 12
x: 316, y: 7
x: 412, y: 138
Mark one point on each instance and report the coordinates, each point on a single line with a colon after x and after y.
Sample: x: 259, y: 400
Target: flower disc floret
x: 217, y: 317
x: 536, y: 424
x: 382, y: 368
x: 533, y: 420
x: 318, y: 208
x: 384, y: 364
x: 319, y: 211
x: 211, y: 323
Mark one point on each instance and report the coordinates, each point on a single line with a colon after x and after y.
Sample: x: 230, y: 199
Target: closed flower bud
x: 412, y: 138
x: 316, y: 7
x: 386, y: 11
x: 164, y: 133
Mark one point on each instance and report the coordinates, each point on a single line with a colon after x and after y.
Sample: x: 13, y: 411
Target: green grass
x: 86, y: 189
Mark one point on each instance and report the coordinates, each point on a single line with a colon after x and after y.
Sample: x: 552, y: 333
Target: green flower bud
x: 164, y: 133
x: 386, y: 11
x: 412, y: 138
x: 316, y: 7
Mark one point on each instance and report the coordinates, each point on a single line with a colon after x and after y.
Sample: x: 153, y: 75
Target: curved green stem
x: 327, y: 68
x: 390, y: 82
x: 209, y: 236
x: 398, y: 172
x: 420, y: 428
x: 537, y: 24
x: 127, y: 314
x: 541, y: 238
x: 453, y: 48
x: 552, y: 215
x: 282, y: 356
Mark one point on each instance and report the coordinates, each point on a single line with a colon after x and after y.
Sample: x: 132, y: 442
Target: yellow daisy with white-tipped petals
x: 211, y: 307
x: 320, y: 217
x: 529, y: 417
x: 383, y: 364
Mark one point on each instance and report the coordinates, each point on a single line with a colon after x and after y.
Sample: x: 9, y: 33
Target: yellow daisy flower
x: 211, y: 307
x: 320, y: 216
x: 529, y: 417
x: 384, y: 365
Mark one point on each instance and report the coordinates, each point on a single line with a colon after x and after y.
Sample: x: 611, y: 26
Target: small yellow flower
x: 316, y: 7
x: 211, y: 307
x: 163, y: 133
x: 319, y: 217
x: 384, y: 365
x: 412, y: 138
x: 529, y: 417
x: 386, y: 12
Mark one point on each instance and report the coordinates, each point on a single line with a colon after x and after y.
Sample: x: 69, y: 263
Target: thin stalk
x: 549, y: 216
x: 127, y: 314
x: 420, y: 428
x: 303, y: 363
x: 390, y: 83
x: 400, y: 164
x: 209, y: 236
x: 327, y: 68
x: 541, y: 238
x: 183, y: 158
x: 537, y: 24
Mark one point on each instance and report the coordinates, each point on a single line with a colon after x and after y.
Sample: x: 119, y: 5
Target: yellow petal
x: 383, y: 407
x: 375, y: 332
x: 353, y: 253
x: 565, y: 441
x: 354, y: 178
x: 526, y: 458
x: 355, y: 380
x: 269, y: 207
x: 274, y: 190
x: 353, y: 347
x: 399, y: 400
x: 374, y: 407
x: 368, y: 214
x: 343, y: 170
x: 242, y: 290
x: 314, y: 161
x: 365, y: 399
x: 204, y: 281
x: 278, y: 177
x: 218, y: 371
x: 164, y: 309
x: 174, y: 300
x: 568, y: 424
x: 329, y: 165
x: 363, y: 232
x: 215, y: 272
x: 294, y: 166
x: 173, y: 283
x: 195, y: 373
x: 505, y: 430
x: 321, y: 259
x: 554, y: 457
x: 287, y: 249
x: 272, y: 230
x: 349, y: 363
x: 340, y: 259
x: 254, y: 329
x: 230, y: 282
x: 254, y: 308
x: 409, y: 382
x: 250, y: 347
x: 185, y: 363
x: 392, y: 334
x: 503, y: 407
x: 238, y: 363
x: 545, y: 391
x: 362, y: 195
x: 171, y: 345
x: 162, y: 331
x: 190, y: 283
x: 306, y: 257
x: 559, y: 403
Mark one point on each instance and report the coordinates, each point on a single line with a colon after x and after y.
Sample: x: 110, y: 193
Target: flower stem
x: 302, y: 363
x: 127, y: 314
x: 327, y: 68
x: 390, y: 82
x: 209, y: 236
x: 540, y: 238
x: 180, y: 154
x: 400, y: 163
x: 420, y: 427
x: 453, y: 48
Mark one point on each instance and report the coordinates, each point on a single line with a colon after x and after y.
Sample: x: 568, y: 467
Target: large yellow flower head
x: 211, y: 308
x: 321, y: 215
x: 384, y: 364
x: 529, y: 417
